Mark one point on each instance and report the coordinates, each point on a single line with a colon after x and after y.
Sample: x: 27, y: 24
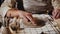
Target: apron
x: 37, y: 6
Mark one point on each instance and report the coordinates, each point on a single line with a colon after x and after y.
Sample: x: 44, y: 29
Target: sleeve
x: 56, y: 4
x: 6, y: 5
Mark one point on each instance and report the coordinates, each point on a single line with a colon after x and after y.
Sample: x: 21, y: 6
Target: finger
x: 26, y: 20
x: 53, y: 12
x: 57, y: 16
x: 31, y: 19
x: 23, y: 17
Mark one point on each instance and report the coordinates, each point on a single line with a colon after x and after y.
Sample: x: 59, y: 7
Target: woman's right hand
x: 18, y: 13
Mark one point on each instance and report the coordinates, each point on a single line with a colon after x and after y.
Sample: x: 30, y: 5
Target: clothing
x: 9, y: 4
x: 6, y: 5
x: 29, y: 5
x: 1, y: 1
x: 37, y: 6
x: 56, y: 3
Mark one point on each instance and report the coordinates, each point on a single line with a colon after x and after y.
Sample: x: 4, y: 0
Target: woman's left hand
x: 56, y: 13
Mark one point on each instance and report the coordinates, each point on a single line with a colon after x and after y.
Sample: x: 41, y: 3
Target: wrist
x: 12, y: 9
x: 57, y: 9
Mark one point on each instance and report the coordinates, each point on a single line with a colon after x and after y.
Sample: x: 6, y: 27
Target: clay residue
x: 38, y: 22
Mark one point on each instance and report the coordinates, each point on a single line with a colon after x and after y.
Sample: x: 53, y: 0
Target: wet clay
x: 38, y: 22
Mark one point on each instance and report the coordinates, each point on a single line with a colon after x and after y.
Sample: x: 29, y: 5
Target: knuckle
x: 28, y: 13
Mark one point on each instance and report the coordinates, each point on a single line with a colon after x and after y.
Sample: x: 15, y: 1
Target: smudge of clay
x: 39, y: 23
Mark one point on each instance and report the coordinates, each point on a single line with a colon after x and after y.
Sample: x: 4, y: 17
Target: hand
x: 56, y: 13
x: 18, y: 13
